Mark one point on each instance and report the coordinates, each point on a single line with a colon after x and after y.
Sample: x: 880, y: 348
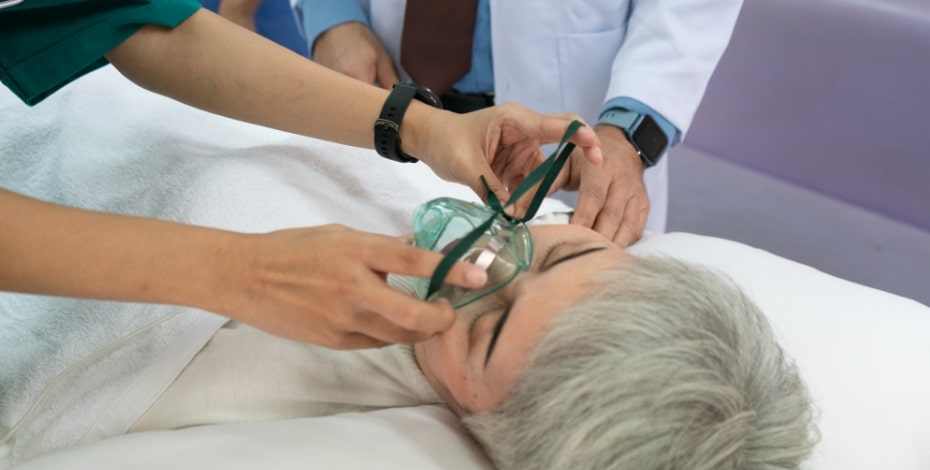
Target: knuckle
x: 411, y: 337
x: 583, y: 218
x: 346, y: 288
x: 508, y: 106
x: 409, y: 319
x: 410, y: 257
x: 612, y: 217
x: 595, y: 192
x: 338, y: 324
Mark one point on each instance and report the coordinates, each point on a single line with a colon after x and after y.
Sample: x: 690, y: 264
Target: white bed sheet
x: 864, y: 353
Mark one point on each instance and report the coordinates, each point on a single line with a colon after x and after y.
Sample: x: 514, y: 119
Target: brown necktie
x: 435, y: 48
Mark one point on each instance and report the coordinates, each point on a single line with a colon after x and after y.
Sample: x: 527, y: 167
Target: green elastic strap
x: 544, y: 174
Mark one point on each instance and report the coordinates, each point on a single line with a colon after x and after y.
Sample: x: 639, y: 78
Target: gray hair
x: 665, y: 365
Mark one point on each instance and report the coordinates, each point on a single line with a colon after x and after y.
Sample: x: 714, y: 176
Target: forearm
x: 55, y: 250
x: 209, y: 63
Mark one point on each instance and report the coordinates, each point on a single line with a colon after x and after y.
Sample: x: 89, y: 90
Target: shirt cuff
x: 318, y: 16
x: 625, y: 102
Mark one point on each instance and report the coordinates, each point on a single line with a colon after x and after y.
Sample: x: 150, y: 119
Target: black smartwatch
x: 387, y: 127
x: 642, y: 131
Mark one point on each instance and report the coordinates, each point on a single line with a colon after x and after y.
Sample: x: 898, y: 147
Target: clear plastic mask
x: 483, y: 235
x: 502, y: 250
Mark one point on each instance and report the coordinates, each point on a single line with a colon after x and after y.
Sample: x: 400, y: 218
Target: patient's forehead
x: 538, y: 300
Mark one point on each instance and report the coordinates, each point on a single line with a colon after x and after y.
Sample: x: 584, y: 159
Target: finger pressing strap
x: 545, y: 174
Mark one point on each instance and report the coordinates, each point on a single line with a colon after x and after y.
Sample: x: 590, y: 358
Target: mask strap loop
x: 544, y: 174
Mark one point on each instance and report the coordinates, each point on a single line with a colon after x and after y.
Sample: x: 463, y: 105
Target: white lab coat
x: 574, y: 55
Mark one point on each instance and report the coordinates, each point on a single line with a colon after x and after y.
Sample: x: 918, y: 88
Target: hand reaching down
x: 612, y: 197
x: 352, y: 49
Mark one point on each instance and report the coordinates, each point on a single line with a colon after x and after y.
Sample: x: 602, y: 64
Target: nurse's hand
x: 612, y: 198
x: 326, y: 285
x: 501, y: 143
x: 352, y: 49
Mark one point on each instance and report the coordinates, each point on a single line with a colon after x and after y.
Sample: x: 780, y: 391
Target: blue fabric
x: 274, y: 20
x: 625, y: 102
x: 318, y: 16
x: 480, y: 79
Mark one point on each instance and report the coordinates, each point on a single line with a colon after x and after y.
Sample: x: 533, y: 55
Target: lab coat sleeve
x: 669, y: 52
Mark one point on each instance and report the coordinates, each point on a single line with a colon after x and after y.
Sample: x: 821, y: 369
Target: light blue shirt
x: 318, y: 16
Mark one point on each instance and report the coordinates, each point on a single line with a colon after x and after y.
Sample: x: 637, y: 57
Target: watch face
x: 649, y: 138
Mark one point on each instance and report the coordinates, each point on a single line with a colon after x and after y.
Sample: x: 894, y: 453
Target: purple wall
x: 832, y: 95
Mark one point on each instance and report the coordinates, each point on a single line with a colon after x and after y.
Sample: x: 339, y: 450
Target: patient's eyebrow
x: 500, y: 322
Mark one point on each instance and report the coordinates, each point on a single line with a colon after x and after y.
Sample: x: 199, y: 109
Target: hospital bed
x: 864, y: 353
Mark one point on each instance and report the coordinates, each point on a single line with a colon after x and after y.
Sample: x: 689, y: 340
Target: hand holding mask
x: 483, y: 235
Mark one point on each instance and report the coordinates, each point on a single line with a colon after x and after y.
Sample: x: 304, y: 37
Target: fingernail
x: 476, y: 276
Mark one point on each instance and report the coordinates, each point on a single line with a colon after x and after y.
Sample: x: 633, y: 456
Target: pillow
x: 864, y: 354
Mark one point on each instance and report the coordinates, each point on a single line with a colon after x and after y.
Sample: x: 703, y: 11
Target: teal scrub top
x: 46, y: 44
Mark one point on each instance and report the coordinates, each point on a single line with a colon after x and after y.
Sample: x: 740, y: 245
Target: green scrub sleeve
x: 46, y: 44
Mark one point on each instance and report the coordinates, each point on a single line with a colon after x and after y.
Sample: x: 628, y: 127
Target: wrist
x: 615, y: 140
x: 415, y: 132
x: 641, y: 131
x: 227, y: 260
x: 398, y: 132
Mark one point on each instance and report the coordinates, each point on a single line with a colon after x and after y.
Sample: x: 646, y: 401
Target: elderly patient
x: 593, y: 358
x: 589, y: 357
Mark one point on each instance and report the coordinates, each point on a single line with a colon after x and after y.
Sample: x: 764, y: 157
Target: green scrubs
x: 45, y: 44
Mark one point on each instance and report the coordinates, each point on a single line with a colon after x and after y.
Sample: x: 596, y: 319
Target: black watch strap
x: 387, y: 127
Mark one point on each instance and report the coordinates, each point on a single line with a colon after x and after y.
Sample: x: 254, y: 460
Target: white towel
x: 103, y: 143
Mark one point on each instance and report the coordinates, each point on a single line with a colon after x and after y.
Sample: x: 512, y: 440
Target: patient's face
x: 474, y: 365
